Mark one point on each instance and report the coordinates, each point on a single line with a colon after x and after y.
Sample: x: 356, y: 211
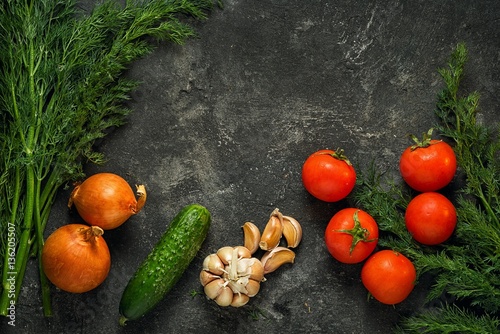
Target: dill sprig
x: 61, y: 89
x: 450, y: 319
x: 466, y: 268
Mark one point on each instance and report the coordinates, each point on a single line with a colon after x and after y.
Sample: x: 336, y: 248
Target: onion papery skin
x: 106, y: 200
x: 76, y: 258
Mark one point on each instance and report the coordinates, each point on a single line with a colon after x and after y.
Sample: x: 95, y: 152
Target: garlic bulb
x: 231, y: 276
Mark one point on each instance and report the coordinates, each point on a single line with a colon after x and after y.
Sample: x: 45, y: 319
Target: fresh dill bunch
x: 466, y: 268
x: 61, y: 89
x: 450, y: 319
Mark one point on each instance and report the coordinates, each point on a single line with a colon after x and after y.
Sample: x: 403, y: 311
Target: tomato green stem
x: 425, y: 142
x: 358, y: 233
x: 339, y: 155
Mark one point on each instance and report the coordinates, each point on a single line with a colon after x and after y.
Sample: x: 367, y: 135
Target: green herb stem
x: 62, y: 90
x: 465, y: 268
x: 45, y: 288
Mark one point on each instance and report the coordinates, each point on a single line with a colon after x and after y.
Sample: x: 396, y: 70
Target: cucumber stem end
x: 123, y: 320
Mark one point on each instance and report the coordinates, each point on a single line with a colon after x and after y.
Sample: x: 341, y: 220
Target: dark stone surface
x: 227, y: 121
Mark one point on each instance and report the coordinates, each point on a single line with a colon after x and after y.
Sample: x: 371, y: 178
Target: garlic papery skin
x: 213, y: 288
x: 251, y: 236
x: 241, y: 278
x: 252, y: 288
x: 277, y: 257
x: 225, y: 297
x: 226, y: 254
x: 253, y: 268
x: 213, y: 264
x: 240, y: 300
x: 292, y: 231
x: 273, y: 231
x: 207, y: 277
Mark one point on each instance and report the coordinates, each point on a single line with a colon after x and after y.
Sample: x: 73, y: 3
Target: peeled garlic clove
x: 207, y: 277
x: 273, y: 231
x: 292, y: 231
x: 251, y: 235
x: 214, y: 264
x: 213, y: 289
x: 225, y: 296
x: 252, y: 287
x: 239, y: 299
x: 275, y: 258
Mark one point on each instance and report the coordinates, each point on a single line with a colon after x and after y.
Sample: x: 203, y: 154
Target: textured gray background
x: 227, y: 121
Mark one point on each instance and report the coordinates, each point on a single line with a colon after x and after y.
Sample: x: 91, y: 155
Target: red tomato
x: 328, y: 175
x: 430, y: 218
x: 351, y: 235
x: 428, y: 166
x: 389, y: 276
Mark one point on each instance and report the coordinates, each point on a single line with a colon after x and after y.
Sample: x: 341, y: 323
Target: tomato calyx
x: 357, y: 232
x: 339, y: 155
x: 425, y: 142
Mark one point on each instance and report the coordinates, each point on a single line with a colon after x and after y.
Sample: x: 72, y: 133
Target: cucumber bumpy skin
x: 166, y: 263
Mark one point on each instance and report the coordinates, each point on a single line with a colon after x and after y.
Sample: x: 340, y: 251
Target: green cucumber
x: 166, y: 263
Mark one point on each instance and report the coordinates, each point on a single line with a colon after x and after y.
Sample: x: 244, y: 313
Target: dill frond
x: 450, y: 319
x: 61, y: 89
x: 466, y: 268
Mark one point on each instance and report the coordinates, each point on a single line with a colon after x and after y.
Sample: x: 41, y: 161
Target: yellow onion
x: 76, y: 258
x: 106, y: 200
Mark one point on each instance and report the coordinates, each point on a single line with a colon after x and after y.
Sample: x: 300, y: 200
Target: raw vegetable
x: 328, y: 175
x: 429, y: 165
x: 292, y: 231
x: 166, y: 263
x: 465, y: 270
x: 389, y: 276
x: 76, y: 258
x: 106, y: 200
x: 273, y: 231
x: 276, y: 257
x: 231, y: 276
x: 251, y: 237
x: 351, y: 235
x: 61, y: 89
x: 430, y: 218
x: 277, y: 227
